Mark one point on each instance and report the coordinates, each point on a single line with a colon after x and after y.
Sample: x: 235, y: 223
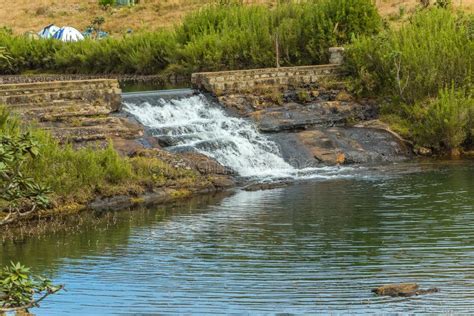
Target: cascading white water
x: 194, y: 123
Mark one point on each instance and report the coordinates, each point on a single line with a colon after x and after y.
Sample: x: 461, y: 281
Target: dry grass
x: 32, y: 15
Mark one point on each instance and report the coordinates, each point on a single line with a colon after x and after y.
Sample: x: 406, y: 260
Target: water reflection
x: 307, y: 248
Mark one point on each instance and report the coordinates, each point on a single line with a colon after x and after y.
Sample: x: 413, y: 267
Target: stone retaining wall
x: 78, y: 111
x: 241, y: 81
x: 160, y: 79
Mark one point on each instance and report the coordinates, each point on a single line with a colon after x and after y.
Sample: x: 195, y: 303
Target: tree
x: 18, y: 288
x: 20, y: 196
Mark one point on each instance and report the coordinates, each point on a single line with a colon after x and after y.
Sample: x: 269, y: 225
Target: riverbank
x: 44, y: 176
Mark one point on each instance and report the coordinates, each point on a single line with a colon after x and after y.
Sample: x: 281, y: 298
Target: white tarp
x: 48, y: 31
x: 68, y: 34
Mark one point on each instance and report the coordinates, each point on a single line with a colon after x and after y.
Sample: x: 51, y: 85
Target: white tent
x: 48, y: 31
x: 68, y: 34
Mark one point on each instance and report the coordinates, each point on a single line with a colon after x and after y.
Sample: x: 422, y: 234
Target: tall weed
x: 430, y: 53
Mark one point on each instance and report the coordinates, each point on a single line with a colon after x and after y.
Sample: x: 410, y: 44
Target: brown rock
x: 423, y: 151
x: 221, y: 182
x: 402, y: 289
x: 340, y: 158
x: 205, y: 165
x: 339, y: 145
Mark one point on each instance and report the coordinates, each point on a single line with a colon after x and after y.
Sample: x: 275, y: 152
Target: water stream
x: 196, y: 123
x: 310, y: 248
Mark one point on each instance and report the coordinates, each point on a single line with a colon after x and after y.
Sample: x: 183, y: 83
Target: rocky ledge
x: 321, y: 124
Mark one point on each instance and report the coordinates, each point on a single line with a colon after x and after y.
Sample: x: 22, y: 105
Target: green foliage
x: 431, y: 52
x: 18, y: 287
x: 21, y: 193
x: 222, y: 36
x: 240, y: 36
x: 4, y: 57
x: 303, y: 96
x: 26, y: 53
x: 444, y: 123
x: 107, y: 3
x: 35, y: 169
x: 444, y: 4
x: 32, y: 163
x: 413, y: 67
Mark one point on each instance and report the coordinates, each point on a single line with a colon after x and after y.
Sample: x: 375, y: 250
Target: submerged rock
x: 402, y: 289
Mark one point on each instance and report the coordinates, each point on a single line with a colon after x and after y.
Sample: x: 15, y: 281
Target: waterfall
x: 194, y: 123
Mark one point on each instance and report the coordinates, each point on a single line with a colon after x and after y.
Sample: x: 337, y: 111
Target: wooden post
x: 277, y: 49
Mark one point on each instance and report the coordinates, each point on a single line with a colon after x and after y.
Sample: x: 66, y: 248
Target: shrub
x: 26, y: 53
x: 18, y: 288
x: 241, y: 36
x: 31, y: 160
x: 218, y: 37
x: 431, y: 52
x: 107, y: 3
x: 22, y: 195
x: 445, y: 122
x: 32, y: 163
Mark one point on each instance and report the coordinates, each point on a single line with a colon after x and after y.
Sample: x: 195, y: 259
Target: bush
x: 18, y: 288
x: 444, y: 123
x: 424, y: 70
x: 431, y: 52
x: 218, y: 37
x: 240, y: 36
x: 107, y: 3
x: 26, y: 53
x: 44, y: 171
x: 33, y: 163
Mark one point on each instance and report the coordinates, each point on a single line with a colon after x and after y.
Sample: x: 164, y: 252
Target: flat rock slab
x: 296, y: 116
x: 403, y: 290
x: 347, y: 145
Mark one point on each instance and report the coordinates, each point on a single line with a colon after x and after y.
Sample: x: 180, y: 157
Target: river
x: 316, y: 246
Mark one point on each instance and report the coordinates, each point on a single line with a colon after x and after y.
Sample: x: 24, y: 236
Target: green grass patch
x: 80, y: 175
x: 217, y: 37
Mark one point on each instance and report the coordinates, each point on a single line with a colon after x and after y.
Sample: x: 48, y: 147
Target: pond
x: 310, y: 247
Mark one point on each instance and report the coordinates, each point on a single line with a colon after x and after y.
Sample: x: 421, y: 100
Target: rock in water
x: 402, y: 289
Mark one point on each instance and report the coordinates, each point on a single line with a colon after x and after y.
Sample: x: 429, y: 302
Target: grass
x: 423, y: 71
x: 76, y: 177
x: 217, y: 37
x: 26, y: 15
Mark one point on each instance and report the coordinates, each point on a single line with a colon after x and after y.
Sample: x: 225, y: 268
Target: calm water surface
x: 306, y: 248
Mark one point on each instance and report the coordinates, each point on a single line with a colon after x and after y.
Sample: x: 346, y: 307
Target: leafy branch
x: 18, y: 288
x: 23, y: 196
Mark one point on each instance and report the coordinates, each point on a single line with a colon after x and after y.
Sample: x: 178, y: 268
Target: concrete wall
x: 226, y: 82
x: 74, y: 111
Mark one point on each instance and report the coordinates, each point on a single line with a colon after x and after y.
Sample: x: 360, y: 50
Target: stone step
x: 91, y: 129
x: 58, y: 84
x: 21, y: 90
x: 61, y: 113
x: 60, y: 95
x: 53, y: 103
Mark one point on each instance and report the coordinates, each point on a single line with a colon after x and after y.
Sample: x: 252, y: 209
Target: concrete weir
x: 250, y: 80
x: 77, y: 111
x: 241, y: 81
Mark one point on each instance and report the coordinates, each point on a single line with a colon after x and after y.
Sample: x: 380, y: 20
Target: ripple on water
x: 307, y: 248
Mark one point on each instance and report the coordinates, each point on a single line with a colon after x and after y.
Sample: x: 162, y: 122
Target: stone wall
x: 152, y: 79
x: 241, y: 81
x: 78, y: 111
